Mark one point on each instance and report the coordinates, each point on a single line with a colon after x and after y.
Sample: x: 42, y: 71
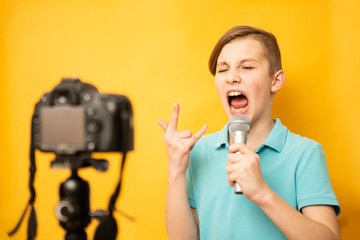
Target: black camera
x: 75, y: 118
x: 73, y: 121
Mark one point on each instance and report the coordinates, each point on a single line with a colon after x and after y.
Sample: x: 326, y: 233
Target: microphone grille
x: 239, y: 122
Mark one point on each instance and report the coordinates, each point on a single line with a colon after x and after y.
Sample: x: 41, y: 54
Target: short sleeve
x: 313, y: 186
x: 190, y: 188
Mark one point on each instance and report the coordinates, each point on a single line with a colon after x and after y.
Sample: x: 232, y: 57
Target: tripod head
x: 79, y: 160
x: 73, y: 210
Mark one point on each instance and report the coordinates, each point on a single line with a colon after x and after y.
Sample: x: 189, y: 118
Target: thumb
x: 163, y: 124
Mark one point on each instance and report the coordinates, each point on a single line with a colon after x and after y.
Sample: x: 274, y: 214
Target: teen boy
x: 287, y: 191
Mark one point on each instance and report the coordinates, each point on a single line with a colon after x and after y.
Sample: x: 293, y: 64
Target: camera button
x: 93, y: 125
x: 90, y: 111
x: 91, y: 146
x: 90, y: 137
x: 87, y: 97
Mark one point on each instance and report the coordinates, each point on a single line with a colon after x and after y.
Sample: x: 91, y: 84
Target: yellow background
x: 156, y: 53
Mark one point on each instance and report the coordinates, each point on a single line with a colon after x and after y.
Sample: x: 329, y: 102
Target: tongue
x: 239, y: 102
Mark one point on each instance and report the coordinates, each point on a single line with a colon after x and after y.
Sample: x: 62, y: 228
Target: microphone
x: 239, y: 128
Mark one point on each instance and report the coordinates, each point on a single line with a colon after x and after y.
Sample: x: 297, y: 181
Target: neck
x: 259, y: 132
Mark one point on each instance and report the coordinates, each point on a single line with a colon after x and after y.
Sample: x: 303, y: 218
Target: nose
x: 233, y: 77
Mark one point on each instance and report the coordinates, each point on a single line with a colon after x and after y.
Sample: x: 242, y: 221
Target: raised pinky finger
x: 199, y: 134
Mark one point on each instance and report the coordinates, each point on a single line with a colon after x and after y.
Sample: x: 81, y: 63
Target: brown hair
x: 268, y: 40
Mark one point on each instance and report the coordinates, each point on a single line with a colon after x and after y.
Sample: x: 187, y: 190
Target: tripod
x: 73, y: 210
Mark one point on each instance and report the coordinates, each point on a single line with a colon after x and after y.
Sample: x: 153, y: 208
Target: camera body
x: 75, y: 118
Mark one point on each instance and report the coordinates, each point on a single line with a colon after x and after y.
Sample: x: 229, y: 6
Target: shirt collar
x: 223, y: 137
x: 275, y: 140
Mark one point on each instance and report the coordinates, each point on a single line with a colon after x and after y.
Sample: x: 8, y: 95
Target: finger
x: 199, y: 134
x: 235, y: 158
x: 231, y: 167
x: 234, y: 167
x: 184, y: 134
x: 175, y: 117
x: 231, y: 183
x: 232, y: 177
x: 163, y: 124
x: 239, y: 147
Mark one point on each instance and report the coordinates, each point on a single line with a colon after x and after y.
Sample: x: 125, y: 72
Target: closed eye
x: 248, y: 68
x: 222, y: 70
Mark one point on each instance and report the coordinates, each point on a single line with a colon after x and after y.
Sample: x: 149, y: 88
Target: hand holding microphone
x: 239, y: 128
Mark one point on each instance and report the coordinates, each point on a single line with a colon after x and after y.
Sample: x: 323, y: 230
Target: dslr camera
x: 73, y: 121
x: 74, y: 118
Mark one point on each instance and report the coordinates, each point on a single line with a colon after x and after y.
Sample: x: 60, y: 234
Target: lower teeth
x: 237, y: 109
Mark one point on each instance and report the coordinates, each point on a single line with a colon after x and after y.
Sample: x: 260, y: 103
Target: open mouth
x: 238, y: 102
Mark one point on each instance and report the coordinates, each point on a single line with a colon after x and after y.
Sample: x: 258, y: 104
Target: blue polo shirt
x: 293, y: 166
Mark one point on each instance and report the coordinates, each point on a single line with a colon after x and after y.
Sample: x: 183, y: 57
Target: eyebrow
x: 241, y: 62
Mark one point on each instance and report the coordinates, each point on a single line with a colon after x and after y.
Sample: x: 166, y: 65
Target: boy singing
x: 284, y: 178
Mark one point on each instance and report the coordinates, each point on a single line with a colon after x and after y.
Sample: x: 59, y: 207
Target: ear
x: 278, y: 81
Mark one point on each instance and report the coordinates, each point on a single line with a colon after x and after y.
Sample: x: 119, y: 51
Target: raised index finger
x: 174, y: 118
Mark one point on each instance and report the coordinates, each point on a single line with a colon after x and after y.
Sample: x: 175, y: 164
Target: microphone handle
x: 237, y: 188
x: 236, y: 137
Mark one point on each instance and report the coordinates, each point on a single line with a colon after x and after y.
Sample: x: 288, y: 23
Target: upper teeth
x: 234, y: 93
